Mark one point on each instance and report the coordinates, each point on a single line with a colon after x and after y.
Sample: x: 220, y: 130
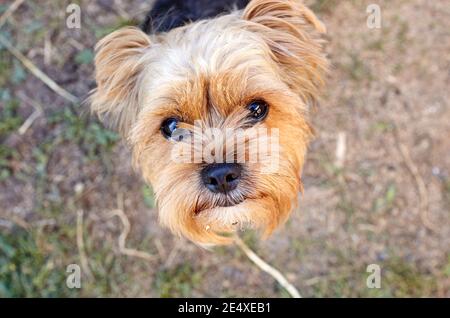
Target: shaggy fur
x: 210, y: 70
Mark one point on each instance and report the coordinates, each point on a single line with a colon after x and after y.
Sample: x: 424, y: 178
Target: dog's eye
x: 168, y: 126
x: 258, y: 110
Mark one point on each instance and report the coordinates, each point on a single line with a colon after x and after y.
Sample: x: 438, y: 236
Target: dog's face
x: 236, y: 73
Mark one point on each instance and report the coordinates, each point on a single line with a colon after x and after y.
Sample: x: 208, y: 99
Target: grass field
x: 386, y: 201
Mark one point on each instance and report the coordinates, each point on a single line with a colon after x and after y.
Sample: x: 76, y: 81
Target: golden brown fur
x: 209, y: 71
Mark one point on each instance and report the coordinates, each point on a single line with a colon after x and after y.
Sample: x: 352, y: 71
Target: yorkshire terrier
x: 199, y: 73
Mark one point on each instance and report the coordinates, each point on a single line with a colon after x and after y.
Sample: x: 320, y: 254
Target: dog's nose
x: 221, y: 177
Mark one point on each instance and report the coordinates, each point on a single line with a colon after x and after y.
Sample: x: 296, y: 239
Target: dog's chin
x: 215, y: 225
x: 228, y: 217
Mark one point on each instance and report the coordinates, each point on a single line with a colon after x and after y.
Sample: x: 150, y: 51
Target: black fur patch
x: 169, y: 14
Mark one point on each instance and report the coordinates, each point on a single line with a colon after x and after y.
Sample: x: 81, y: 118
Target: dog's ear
x: 119, y: 65
x: 293, y: 34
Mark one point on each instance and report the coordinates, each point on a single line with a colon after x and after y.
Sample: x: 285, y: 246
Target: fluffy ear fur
x: 292, y: 32
x: 118, y: 64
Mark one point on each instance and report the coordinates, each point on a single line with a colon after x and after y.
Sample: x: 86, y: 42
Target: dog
x: 227, y: 67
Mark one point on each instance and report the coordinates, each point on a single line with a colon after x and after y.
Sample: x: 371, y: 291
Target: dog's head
x: 230, y: 90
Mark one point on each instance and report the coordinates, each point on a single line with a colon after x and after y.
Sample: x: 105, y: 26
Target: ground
x: 377, y: 178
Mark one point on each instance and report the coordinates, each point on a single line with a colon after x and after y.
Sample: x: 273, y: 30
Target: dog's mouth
x: 225, y: 201
x: 230, y: 202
